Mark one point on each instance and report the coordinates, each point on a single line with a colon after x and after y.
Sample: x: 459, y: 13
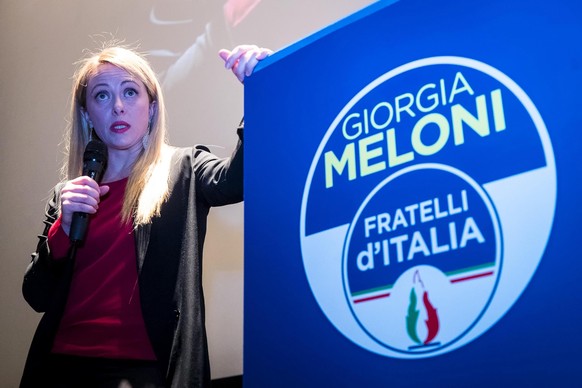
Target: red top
x: 103, y: 316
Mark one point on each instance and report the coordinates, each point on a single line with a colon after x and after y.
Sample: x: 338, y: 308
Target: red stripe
x: 372, y: 298
x: 472, y: 277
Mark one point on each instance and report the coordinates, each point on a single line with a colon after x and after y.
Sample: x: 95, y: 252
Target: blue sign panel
x: 411, y: 200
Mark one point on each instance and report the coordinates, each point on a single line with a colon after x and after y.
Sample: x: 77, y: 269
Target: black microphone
x: 94, y: 163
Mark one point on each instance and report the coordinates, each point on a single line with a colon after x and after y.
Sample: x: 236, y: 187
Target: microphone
x: 94, y: 162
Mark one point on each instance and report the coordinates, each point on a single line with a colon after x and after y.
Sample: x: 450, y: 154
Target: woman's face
x: 118, y: 108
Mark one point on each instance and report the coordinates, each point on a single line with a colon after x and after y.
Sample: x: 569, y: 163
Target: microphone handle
x: 78, y: 227
x: 81, y: 220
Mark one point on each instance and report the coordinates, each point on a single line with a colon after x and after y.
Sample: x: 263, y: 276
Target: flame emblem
x: 431, y: 321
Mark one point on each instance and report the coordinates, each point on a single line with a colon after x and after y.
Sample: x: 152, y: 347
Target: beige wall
x: 39, y: 42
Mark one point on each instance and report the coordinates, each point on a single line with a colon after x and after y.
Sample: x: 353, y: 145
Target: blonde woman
x: 125, y: 305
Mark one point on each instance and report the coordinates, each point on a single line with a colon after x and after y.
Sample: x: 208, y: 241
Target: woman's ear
x: 153, y: 110
x: 86, y: 117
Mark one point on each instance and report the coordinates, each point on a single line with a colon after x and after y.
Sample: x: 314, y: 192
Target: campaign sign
x: 434, y: 243
x: 400, y: 207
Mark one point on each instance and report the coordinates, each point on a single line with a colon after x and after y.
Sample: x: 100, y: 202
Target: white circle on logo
x: 460, y: 287
x: 521, y: 206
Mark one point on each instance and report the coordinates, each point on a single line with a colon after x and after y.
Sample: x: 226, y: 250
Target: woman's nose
x: 118, y: 107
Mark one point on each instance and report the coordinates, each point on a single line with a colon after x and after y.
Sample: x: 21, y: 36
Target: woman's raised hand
x: 243, y: 59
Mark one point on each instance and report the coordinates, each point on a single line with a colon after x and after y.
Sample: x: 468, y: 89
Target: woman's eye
x: 131, y: 92
x: 101, y: 96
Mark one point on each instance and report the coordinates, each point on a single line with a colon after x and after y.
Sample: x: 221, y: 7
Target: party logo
x: 427, y: 207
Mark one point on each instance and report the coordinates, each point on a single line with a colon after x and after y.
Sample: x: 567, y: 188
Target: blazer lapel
x: 142, y: 240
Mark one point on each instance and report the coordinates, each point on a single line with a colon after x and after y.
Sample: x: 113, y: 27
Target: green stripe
x: 371, y: 290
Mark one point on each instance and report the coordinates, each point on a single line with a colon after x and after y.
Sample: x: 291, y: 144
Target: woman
x: 126, y: 304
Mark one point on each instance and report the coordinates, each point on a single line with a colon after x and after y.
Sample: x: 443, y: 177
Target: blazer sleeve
x: 220, y: 180
x: 43, y: 274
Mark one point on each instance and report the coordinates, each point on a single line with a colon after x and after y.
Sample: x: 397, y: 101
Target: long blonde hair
x: 147, y: 186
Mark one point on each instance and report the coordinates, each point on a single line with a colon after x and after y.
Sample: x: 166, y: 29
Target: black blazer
x: 169, y: 262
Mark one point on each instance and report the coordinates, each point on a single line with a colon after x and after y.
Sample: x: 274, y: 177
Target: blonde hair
x: 147, y: 186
